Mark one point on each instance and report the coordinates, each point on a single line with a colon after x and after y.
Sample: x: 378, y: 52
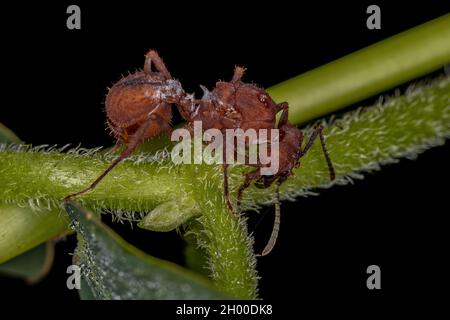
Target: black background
x: 54, y: 82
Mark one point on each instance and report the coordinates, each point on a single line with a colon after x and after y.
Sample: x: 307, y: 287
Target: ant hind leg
x: 226, y: 190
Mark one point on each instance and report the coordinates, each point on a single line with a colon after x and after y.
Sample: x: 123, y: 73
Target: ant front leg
x: 153, y: 57
x: 318, y: 132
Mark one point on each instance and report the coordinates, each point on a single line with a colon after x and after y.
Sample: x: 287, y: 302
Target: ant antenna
x: 276, y: 226
x: 318, y: 131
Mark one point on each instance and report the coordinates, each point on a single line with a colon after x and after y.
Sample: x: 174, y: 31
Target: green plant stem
x: 359, y: 75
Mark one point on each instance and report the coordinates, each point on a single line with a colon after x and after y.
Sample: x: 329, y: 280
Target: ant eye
x: 263, y: 98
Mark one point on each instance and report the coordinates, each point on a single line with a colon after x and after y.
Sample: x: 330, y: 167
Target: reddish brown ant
x: 138, y: 108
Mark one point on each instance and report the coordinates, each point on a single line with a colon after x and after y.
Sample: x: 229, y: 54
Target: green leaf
x: 32, y: 265
x: 113, y: 269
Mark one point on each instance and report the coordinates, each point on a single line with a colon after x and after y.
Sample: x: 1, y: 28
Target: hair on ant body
x: 138, y: 108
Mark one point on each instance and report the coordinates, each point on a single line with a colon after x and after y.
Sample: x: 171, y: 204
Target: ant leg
x: 284, y: 115
x: 249, y: 177
x: 238, y: 74
x: 134, y: 142
x: 276, y: 226
x: 318, y: 132
x: 153, y: 57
